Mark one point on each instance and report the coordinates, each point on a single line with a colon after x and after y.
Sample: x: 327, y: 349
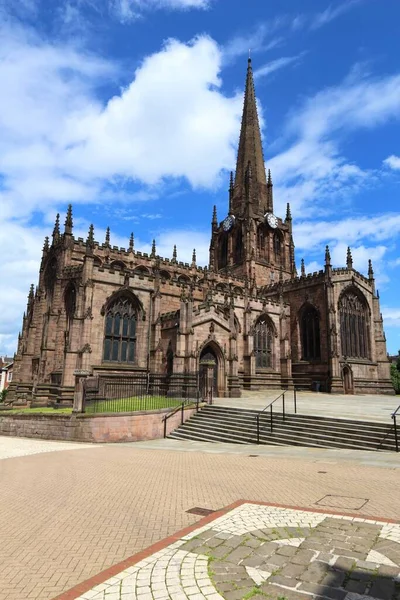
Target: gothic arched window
x: 70, y: 301
x: 120, y: 331
x: 50, y: 277
x: 223, y: 252
x: 262, y: 242
x: 238, y: 249
x: 277, y: 244
x: 263, y: 343
x: 310, y: 336
x: 354, y: 328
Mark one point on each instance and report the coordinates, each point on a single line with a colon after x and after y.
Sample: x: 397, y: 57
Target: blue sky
x: 130, y: 110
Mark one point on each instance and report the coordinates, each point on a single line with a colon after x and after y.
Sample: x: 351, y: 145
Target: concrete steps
x: 234, y: 425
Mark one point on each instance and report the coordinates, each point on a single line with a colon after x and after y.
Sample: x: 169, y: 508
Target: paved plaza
x: 269, y: 552
x: 71, y: 511
x: 360, y: 407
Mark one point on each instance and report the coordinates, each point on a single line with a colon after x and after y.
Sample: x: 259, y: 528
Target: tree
x: 395, y: 374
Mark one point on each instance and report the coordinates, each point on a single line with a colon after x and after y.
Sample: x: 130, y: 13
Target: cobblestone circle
x: 268, y: 552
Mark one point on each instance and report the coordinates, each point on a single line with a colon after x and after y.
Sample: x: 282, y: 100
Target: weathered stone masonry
x: 107, y: 310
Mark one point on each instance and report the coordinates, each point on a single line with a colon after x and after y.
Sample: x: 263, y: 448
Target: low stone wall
x: 121, y: 427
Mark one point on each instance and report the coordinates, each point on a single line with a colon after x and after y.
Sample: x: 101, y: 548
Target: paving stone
x: 277, y: 560
x: 303, y: 557
x: 238, y: 554
x: 344, y: 564
x: 387, y: 571
x: 357, y: 587
x: 253, y: 561
x: 382, y: 588
x: 323, y: 590
x: 292, y: 570
x: 315, y: 572
x: 253, y: 543
x: 280, y: 580
x: 325, y: 557
x: 361, y: 575
x: 350, y: 553
x: 236, y: 594
x: 267, y: 549
x: 273, y: 592
x: 287, y: 551
x: 334, y: 579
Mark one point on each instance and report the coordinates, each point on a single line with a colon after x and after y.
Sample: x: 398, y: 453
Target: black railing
x: 138, y: 393
x: 396, y: 438
x: 270, y: 407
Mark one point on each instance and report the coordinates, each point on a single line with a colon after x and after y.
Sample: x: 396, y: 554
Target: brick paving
x: 67, y: 516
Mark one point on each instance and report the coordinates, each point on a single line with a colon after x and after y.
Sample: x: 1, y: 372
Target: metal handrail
x: 396, y: 439
x: 180, y: 407
x: 271, y: 411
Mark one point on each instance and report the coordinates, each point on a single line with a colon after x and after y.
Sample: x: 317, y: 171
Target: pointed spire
x: 288, y: 212
x: 56, y: 230
x: 349, y: 259
x: 68, y: 221
x: 370, y: 270
x: 153, y: 249
x: 303, y: 269
x: 31, y: 294
x: 174, y: 254
x: 46, y: 244
x: 327, y: 256
x: 131, y: 242
x: 214, y: 217
x: 194, y: 257
x: 269, y: 181
x: 250, y: 145
x: 107, y: 242
x: 90, y: 237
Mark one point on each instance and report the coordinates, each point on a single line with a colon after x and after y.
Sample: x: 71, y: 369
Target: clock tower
x: 251, y: 241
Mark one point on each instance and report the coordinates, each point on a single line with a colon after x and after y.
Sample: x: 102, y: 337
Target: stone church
x: 117, y: 311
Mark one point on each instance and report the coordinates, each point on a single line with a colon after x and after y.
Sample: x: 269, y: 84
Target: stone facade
x: 105, y: 309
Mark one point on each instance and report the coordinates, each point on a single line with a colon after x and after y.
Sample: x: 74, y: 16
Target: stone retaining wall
x: 122, y: 427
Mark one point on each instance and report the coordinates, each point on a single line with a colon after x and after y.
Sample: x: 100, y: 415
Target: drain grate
x: 348, y: 502
x: 198, y: 510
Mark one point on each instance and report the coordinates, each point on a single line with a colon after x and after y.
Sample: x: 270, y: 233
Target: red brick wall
x: 127, y: 427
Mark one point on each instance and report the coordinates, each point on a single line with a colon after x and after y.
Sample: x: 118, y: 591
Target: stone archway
x: 348, y: 383
x: 211, y: 372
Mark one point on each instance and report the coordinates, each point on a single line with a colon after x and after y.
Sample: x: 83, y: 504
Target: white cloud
x: 391, y: 316
x: 393, y: 162
x: 128, y: 10
x: 331, y: 13
x: 58, y: 142
x: 312, y: 166
x: 275, y: 65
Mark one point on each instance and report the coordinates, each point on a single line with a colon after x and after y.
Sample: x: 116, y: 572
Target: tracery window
x: 238, y: 249
x: 263, y: 343
x: 310, y: 334
x: 223, y: 252
x: 354, y: 327
x: 70, y: 301
x: 120, y: 331
x: 50, y: 277
x: 277, y: 244
x: 262, y: 242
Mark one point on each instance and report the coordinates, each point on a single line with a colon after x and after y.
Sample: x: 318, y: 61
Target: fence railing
x: 138, y: 393
x: 396, y: 436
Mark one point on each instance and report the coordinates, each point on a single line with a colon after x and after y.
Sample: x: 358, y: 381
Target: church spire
x: 250, y: 145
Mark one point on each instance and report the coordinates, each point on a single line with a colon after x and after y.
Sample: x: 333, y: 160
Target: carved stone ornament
x: 86, y: 349
x: 88, y: 314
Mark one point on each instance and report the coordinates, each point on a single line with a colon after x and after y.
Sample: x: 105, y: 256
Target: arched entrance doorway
x: 348, y: 380
x: 210, y: 376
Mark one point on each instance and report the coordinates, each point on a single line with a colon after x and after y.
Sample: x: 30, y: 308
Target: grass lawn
x: 132, y: 404
x: 37, y: 411
x: 104, y: 406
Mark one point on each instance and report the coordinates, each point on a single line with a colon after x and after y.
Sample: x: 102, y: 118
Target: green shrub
x: 395, y: 375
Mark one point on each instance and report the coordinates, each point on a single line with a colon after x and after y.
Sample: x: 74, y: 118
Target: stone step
x: 226, y: 424
x: 286, y: 431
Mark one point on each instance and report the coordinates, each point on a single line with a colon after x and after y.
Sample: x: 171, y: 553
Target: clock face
x: 271, y: 220
x: 228, y: 223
